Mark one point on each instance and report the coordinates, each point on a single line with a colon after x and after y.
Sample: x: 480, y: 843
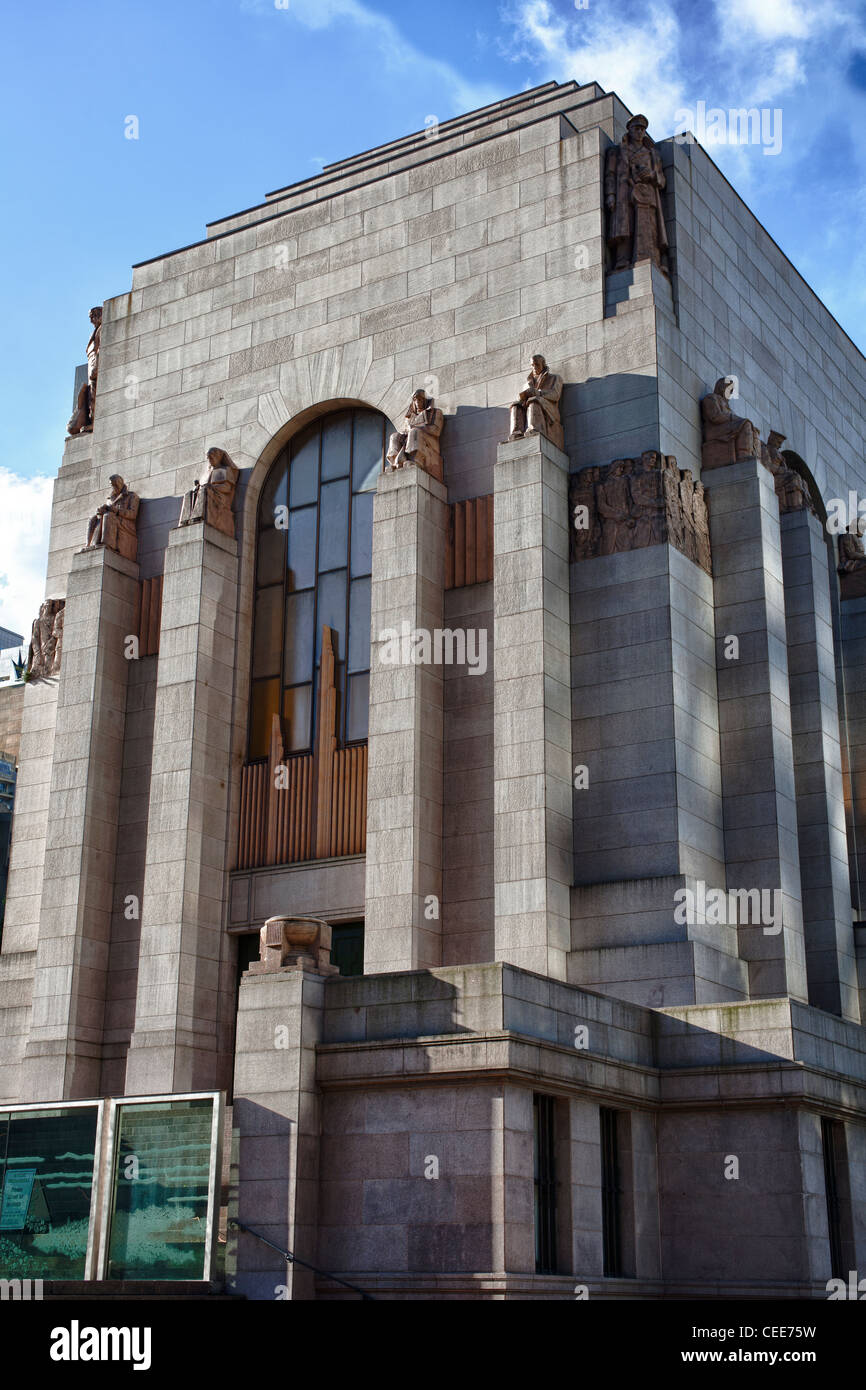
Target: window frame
x: 283, y: 460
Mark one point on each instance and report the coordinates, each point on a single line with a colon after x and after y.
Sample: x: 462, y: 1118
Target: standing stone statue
x: 648, y: 500
x: 727, y: 437
x: 212, y: 497
x: 419, y: 441
x: 114, y: 524
x: 614, y: 508
x: 536, y: 410
x: 45, y: 640
x: 633, y: 183
x: 82, y: 420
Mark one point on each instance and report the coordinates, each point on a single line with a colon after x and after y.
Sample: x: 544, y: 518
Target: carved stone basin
x: 298, y: 942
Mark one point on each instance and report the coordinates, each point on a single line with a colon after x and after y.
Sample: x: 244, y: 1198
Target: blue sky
x: 237, y: 97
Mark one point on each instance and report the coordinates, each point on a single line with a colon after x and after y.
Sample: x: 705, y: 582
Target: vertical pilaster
x: 276, y: 1117
x: 63, y: 1055
x: 532, y: 835
x: 758, y: 792
x: 174, y: 1045
x: 831, y: 966
x: 404, y: 787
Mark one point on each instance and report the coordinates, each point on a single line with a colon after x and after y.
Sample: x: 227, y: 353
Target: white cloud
x: 773, y: 19
x: 638, y: 59
x: 25, y: 514
x: 397, y: 52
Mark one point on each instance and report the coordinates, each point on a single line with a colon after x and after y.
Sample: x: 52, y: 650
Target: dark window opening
x: 839, y: 1218
x: 544, y: 1113
x: 347, y: 947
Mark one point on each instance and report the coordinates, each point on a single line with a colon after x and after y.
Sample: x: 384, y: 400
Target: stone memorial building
x: 444, y: 726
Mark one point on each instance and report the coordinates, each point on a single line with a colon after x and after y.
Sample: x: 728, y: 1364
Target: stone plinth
x: 532, y: 820
x: 174, y: 1045
x: 274, y: 1180
x: 404, y: 786
x: 63, y: 1056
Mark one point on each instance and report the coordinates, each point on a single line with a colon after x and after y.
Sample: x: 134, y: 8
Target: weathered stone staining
x: 211, y: 499
x: 46, y: 641
x: 635, y: 503
x: 726, y: 437
x: 633, y: 184
x: 536, y: 410
x: 82, y: 420
x: 852, y: 562
x: 114, y: 524
x: 418, y: 442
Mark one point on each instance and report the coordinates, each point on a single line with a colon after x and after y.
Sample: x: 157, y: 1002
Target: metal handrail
x: 291, y: 1259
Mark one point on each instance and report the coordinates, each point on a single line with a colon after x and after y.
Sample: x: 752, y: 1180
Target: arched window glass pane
x: 267, y: 646
x: 302, y: 549
x: 297, y: 710
x: 333, y: 526
x: 264, y: 705
x: 274, y: 493
x: 359, y: 708
x: 362, y: 533
x: 271, y: 556
x: 369, y: 450
x: 336, y: 446
x: 359, y: 625
x: 332, y: 612
x: 324, y: 481
x: 305, y: 469
x: 300, y: 626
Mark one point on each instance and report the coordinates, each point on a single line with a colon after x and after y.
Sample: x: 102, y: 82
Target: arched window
x: 313, y: 563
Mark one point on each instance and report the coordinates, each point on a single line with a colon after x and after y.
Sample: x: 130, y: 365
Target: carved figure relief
x: 418, y: 442
x: 634, y: 503
x: 46, y: 640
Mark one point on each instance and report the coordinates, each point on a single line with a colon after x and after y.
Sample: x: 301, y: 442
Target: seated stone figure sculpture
x: 211, y: 499
x: 114, y: 524
x: 852, y: 561
x: 727, y: 437
x: 418, y: 442
x: 536, y: 410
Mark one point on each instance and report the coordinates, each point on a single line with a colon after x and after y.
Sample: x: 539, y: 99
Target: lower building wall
x: 385, y: 1133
